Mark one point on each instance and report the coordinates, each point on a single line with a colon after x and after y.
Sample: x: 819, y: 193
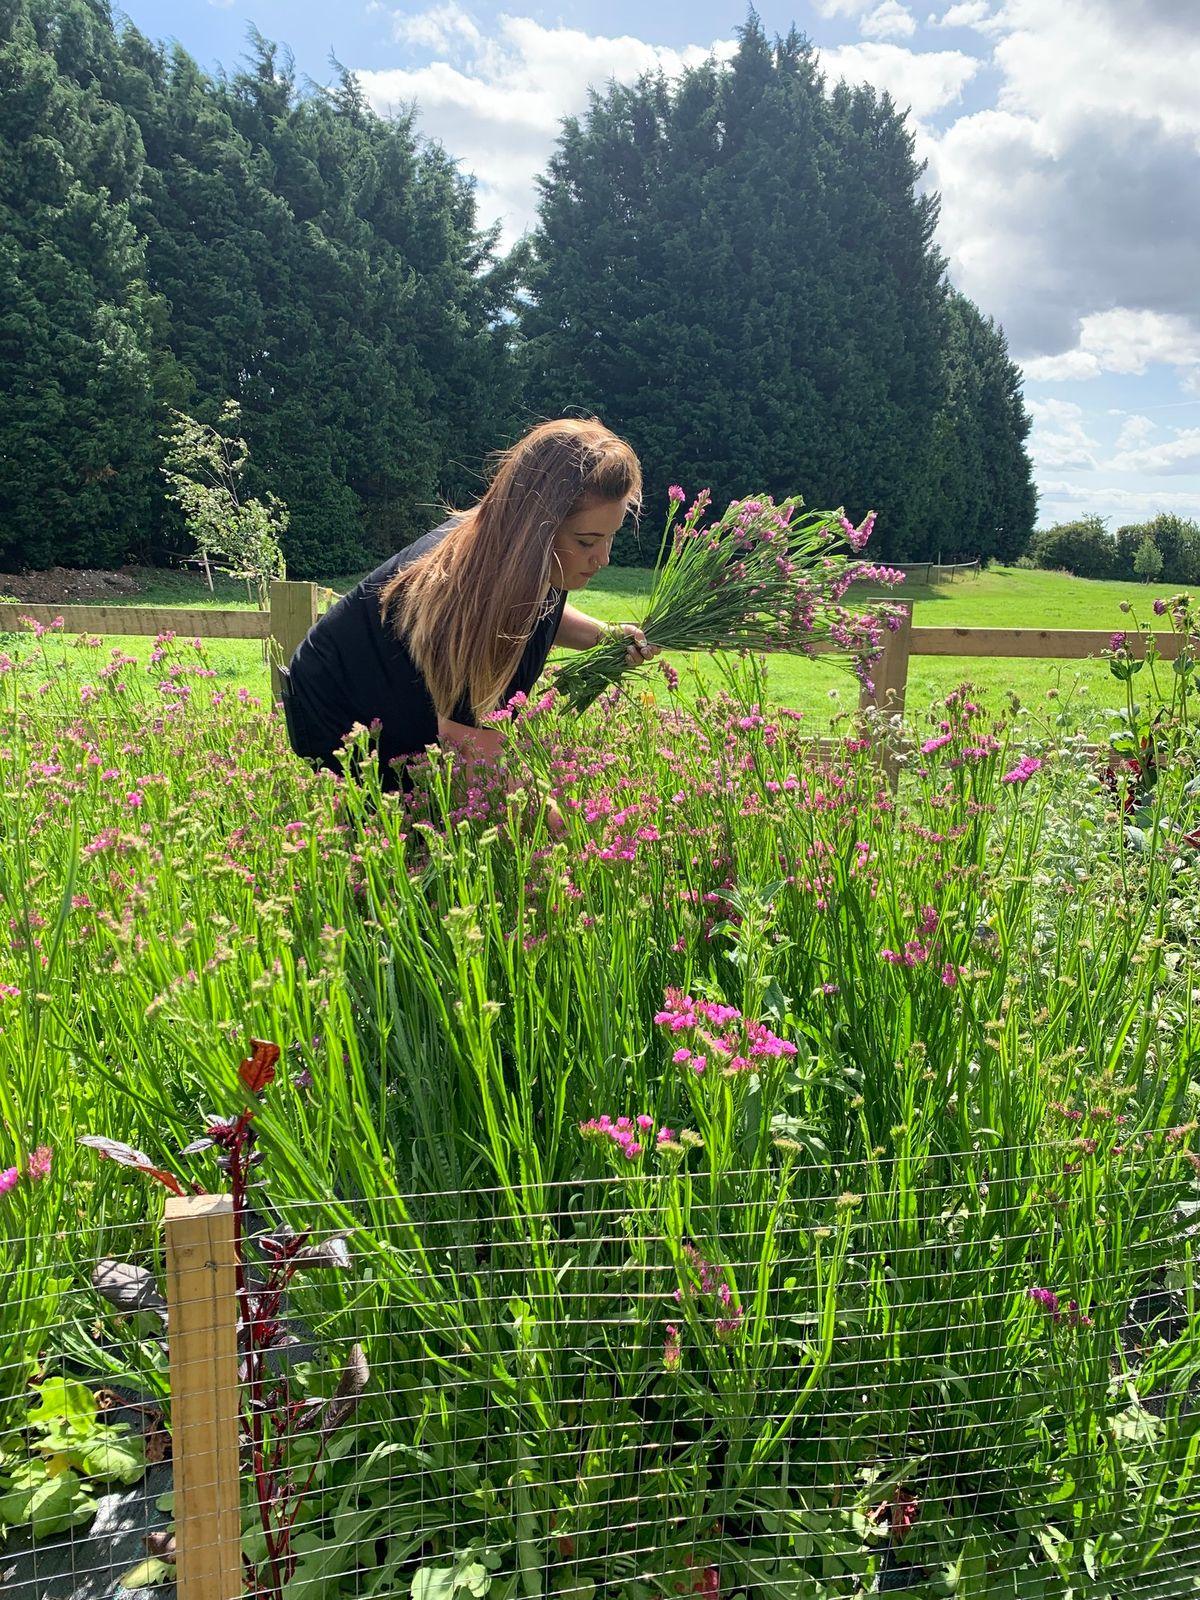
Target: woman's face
x: 583, y: 544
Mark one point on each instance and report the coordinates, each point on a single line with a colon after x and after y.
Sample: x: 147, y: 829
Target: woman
x: 446, y: 632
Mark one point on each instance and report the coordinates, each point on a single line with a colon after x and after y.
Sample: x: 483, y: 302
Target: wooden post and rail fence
x: 293, y: 612
x: 294, y: 609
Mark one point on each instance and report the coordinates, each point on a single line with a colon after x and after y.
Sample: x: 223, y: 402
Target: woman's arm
x: 487, y: 745
x: 477, y: 744
x: 578, y: 631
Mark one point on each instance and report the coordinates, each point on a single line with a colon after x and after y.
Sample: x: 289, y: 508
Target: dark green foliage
x: 231, y: 238
x: 1177, y: 540
x: 985, y: 501
x: 77, y: 333
x: 1085, y: 548
x: 736, y: 272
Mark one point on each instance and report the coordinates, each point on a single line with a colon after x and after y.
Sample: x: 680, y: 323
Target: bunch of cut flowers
x: 761, y: 577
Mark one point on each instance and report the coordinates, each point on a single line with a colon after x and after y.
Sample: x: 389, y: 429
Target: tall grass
x: 894, y: 1269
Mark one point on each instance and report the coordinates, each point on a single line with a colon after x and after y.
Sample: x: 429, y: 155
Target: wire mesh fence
x: 783, y: 1383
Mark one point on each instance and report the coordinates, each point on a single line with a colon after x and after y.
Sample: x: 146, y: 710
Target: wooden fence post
x: 891, y: 684
x: 293, y: 612
x: 891, y: 670
x: 202, y: 1316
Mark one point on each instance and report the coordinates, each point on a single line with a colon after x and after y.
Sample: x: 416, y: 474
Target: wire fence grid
x: 626, y: 1386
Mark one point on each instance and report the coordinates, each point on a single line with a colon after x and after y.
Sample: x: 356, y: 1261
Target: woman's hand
x: 555, y: 820
x: 639, y: 648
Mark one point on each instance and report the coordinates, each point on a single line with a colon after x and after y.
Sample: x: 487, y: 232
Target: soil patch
x: 68, y: 585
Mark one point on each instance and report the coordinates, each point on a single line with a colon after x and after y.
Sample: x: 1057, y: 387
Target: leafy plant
x: 204, y: 466
x: 286, y: 1433
x: 50, y: 1467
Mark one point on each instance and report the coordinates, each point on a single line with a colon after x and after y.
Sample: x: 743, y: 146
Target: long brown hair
x: 467, y: 608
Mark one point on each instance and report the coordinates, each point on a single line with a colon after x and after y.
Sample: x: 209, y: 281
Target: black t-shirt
x: 350, y: 667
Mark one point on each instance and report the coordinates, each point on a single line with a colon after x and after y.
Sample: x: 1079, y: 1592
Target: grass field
x: 1002, y: 597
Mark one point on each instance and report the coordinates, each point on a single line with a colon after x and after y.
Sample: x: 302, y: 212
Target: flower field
x: 776, y: 1185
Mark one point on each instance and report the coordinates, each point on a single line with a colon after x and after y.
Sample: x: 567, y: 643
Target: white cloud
x: 1059, y: 438
x: 1135, y: 430
x: 1076, y: 56
x: 1123, y: 341
x: 890, y: 20
x: 843, y: 8
x: 1180, y: 454
x: 443, y: 27
x: 969, y: 14
x: 1079, y: 190
x: 497, y: 102
x: 1062, y: 498
x: 925, y: 81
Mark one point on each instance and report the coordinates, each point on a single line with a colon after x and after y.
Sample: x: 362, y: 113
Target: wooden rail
x: 1047, y: 644
x: 293, y: 612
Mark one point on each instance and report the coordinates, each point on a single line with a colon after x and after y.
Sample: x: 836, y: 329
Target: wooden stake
x: 891, y: 683
x: 293, y: 612
x: 202, y: 1337
x: 891, y: 670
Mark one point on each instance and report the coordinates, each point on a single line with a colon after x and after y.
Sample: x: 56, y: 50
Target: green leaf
x: 147, y: 1573
x: 48, y: 1504
x: 475, y: 1577
x: 63, y: 1400
x: 433, y: 1583
x: 112, y: 1459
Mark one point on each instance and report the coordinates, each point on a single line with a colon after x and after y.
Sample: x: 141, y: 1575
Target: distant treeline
x: 736, y: 270
x: 1164, y: 550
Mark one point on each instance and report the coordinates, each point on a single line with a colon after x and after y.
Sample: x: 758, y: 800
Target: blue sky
x: 1062, y: 135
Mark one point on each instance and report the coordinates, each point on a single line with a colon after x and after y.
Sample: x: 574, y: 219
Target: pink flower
x: 1023, y: 771
x: 672, y: 1349
x: 40, y: 1162
x: 1047, y: 1299
x: 9, y: 1179
x: 676, y: 493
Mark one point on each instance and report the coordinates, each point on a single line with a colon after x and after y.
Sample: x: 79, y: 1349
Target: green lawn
x: 1003, y: 597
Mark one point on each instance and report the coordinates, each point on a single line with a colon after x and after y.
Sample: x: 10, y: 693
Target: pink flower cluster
x: 1023, y: 771
x: 856, y: 538
x: 734, y: 1040
x: 1051, y: 1304
x: 40, y: 1162
x: 703, y: 1284
x: 672, y: 1349
x: 627, y: 1133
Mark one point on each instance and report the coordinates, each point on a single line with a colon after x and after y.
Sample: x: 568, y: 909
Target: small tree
x: 1148, y: 563
x: 204, y: 467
